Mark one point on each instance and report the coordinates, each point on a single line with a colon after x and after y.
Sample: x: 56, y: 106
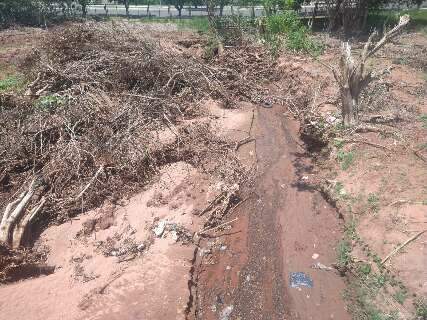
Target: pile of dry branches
x: 99, y: 100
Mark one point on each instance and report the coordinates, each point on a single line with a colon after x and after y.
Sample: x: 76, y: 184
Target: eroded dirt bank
x: 282, y: 227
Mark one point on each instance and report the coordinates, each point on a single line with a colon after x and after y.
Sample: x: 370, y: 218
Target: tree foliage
x: 352, y: 15
x: 28, y: 12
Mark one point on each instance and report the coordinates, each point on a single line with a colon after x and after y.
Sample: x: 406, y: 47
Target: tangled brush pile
x: 104, y: 108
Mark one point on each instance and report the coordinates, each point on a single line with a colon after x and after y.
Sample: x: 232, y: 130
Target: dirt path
x: 308, y: 225
x: 280, y: 230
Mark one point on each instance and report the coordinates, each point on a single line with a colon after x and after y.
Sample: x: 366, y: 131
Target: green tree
x: 84, y: 4
x: 222, y: 4
x: 179, y: 5
x: 26, y: 12
x: 351, y: 15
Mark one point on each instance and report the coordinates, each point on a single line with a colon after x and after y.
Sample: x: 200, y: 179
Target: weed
x: 400, y: 296
x: 373, y: 202
x: 365, y: 268
x: 423, y: 119
x: 338, y: 143
x: 421, y: 308
x: 339, y: 187
x: 50, y: 102
x: 350, y: 230
x: 286, y: 28
x: 345, y: 158
x: 380, y: 280
x: 343, y: 254
x: 340, y: 191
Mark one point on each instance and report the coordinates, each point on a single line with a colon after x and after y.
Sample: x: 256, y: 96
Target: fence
x: 170, y: 11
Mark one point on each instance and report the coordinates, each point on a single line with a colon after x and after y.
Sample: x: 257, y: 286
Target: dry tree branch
x: 368, y: 143
x: 101, y: 168
x: 396, y: 250
x: 217, y: 227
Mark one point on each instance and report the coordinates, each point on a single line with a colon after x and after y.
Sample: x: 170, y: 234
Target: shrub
x: 288, y: 26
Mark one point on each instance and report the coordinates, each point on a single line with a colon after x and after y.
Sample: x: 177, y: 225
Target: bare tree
x: 126, y: 3
x: 179, y: 5
x: 352, y: 76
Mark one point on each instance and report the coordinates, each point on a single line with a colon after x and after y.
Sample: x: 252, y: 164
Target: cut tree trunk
x: 349, y: 108
x: 351, y: 75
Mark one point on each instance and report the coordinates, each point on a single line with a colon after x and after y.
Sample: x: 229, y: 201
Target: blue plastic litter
x: 300, y: 279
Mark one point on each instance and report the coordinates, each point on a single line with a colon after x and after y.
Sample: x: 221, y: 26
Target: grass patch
x: 373, y: 202
x: 365, y: 268
x: 199, y: 24
x: 343, y: 254
x: 421, y: 308
x: 12, y: 82
x: 339, y: 143
x: 400, y: 296
x: 423, y: 119
x: 378, y: 19
x: 346, y: 159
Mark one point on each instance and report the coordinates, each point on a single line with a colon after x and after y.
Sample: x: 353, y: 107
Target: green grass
x: 339, y: 190
x: 400, y: 296
x: 12, y: 82
x: 346, y: 159
x: 423, y: 119
x: 365, y: 268
x: 343, y: 253
x: 50, y: 102
x: 199, y: 24
x: 421, y: 308
x: 373, y: 202
x: 338, y: 143
x: 391, y: 17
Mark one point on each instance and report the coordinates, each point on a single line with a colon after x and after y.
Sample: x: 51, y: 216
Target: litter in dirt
x: 225, y: 314
x: 300, y: 279
x: 321, y: 266
x: 160, y: 229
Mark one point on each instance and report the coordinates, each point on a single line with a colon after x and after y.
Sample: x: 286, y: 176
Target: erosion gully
x: 281, y: 228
